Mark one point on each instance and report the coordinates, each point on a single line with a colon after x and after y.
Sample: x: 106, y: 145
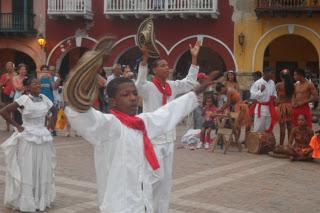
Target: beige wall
x: 260, y: 33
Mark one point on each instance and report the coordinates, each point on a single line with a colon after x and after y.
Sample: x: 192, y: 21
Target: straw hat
x: 146, y: 36
x: 81, y: 86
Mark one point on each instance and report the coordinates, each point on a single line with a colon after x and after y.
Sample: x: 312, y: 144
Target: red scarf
x: 165, y: 90
x: 137, y: 123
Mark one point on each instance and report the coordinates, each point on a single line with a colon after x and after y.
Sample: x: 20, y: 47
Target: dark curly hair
x: 113, y: 85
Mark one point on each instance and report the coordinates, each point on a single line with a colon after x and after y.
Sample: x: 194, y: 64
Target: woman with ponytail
x: 285, y: 90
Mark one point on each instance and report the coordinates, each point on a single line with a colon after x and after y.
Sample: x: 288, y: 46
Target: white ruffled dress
x: 30, y: 160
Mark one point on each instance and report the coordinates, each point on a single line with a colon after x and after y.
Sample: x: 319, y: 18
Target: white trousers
x: 158, y: 183
x: 261, y: 124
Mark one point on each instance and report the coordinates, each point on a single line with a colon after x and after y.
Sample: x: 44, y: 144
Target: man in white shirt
x: 155, y: 94
x: 124, y: 156
x: 263, y: 91
x: 116, y: 73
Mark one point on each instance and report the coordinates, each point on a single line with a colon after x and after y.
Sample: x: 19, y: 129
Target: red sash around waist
x: 272, y: 109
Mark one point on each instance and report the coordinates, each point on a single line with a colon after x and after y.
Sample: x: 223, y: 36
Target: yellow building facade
x: 277, y: 34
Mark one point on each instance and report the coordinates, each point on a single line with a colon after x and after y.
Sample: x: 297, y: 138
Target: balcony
x: 167, y: 8
x: 70, y: 9
x: 16, y: 23
x: 285, y: 7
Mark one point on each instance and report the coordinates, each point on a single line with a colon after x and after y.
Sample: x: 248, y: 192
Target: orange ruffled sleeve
x: 315, y: 145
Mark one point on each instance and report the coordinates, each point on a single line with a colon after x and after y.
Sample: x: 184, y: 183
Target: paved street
x: 204, y: 182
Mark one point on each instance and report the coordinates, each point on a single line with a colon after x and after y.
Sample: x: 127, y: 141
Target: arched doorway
x: 130, y: 57
x: 17, y: 57
x: 290, y: 52
x: 69, y: 60
x: 208, y: 60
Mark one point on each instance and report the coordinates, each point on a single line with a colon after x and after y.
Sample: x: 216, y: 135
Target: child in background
x: 208, y: 113
x: 315, y: 145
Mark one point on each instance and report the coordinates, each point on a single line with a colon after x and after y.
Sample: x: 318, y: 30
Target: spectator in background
x: 56, y: 97
x: 47, y: 86
x: 18, y: 80
x: 6, y: 84
x: 231, y: 80
x: 256, y: 76
x: 57, y: 82
x: 19, y: 88
x: 116, y: 72
x: 197, y: 112
x: 126, y: 71
x: 209, y: 111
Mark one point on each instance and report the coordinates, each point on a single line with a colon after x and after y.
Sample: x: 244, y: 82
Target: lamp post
x: 42, y: 43
x: 241, y: 40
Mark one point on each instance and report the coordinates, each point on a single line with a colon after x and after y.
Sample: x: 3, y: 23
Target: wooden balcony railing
x: 284, y: 7
x: 17, y: 23
x: 161, y: 7
x: 70, y: 8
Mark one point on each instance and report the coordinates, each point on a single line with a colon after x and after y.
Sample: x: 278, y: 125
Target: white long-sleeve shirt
x: 152, y: 97
x: 256, y: 94
x: 121, y: 166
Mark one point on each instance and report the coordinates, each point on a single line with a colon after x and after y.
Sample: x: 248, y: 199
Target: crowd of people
x: 132, y: 121
x: 286, y: 103
x: 12, y: 88
x: 11, y: 84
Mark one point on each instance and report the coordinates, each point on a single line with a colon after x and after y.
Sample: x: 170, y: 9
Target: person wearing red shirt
x: 6, y: 83
x: 7, y: 90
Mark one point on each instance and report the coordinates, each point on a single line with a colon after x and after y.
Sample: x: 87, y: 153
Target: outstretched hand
x: 194, y: 50
x: 202, y: 87
x: 207, y: 82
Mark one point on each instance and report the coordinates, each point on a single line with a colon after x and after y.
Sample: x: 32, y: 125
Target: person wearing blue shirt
x: 47, y: 87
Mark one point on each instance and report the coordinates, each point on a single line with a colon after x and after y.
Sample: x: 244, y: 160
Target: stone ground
x: 203, y: 182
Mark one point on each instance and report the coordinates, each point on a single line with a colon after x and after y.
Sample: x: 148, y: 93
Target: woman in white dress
x: 29, y: 153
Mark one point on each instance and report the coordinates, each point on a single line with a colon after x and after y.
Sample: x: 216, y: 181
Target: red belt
x: 272, y: 109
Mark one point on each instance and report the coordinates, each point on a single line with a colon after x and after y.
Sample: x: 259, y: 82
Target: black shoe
x: 54, y: 133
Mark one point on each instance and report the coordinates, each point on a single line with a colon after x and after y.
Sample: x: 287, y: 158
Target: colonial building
x: 74, y: 26
x: 281, y: 34
x: 21, y: 24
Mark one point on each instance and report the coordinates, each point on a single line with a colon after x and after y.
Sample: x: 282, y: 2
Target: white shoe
x: 192, y: 148
x: 206, y: 145
x: 199, y: 145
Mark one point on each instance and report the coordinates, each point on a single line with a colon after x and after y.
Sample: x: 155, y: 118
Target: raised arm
x: 141, y: 82
x: 188, y: 83
x: 168, y: 116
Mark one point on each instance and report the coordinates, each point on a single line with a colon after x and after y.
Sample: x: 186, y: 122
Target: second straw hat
x: 146, y: 36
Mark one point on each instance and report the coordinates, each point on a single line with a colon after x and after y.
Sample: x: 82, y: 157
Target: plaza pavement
x: 203, y: 182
